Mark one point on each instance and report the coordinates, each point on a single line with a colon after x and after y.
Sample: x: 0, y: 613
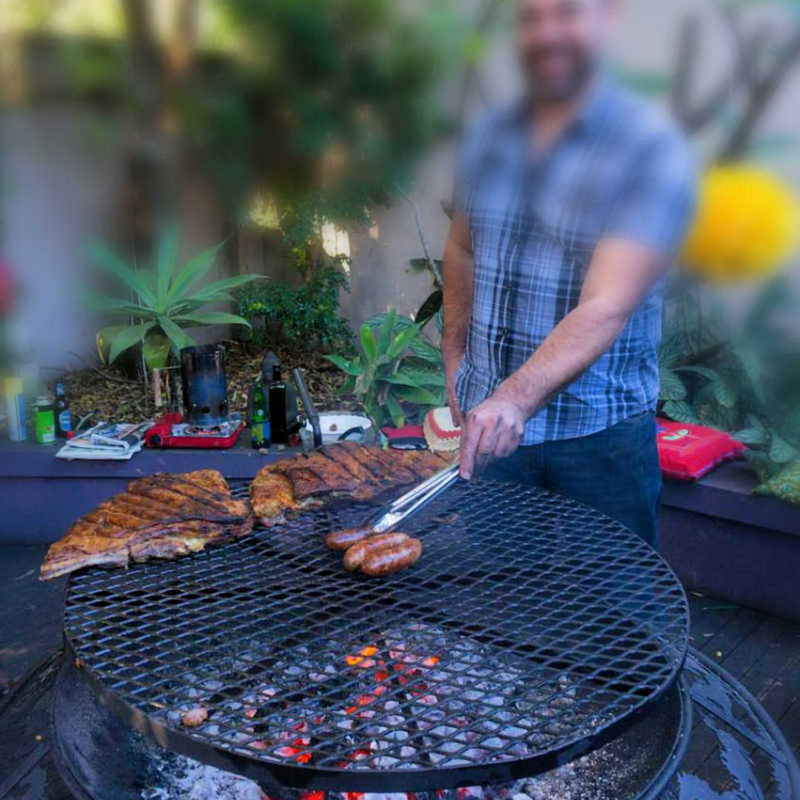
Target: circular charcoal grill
x: 532, y: 631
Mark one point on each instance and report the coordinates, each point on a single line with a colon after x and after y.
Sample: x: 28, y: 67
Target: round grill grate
x: 532, y: 630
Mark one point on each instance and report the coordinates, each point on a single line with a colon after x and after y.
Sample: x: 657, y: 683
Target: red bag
x: 687, y: 452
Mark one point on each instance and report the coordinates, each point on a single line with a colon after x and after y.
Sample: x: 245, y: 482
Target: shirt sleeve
x: 658, y: 202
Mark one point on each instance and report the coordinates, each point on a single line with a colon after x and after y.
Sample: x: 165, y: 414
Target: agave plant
x: 168, y: 299
x: 398, y: 374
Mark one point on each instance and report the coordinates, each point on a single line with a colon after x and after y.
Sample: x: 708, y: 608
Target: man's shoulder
x: 492, y: 121
x: 638, y: 121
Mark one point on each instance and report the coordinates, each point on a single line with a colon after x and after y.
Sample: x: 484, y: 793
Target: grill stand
x: 558, y: 629
x: 102, y: 759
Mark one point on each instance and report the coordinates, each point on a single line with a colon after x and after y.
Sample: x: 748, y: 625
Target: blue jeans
x: 614, y: 471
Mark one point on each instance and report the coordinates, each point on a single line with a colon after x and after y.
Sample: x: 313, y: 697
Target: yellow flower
x: 747, y: 226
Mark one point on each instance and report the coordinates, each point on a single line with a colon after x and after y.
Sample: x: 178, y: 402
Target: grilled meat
x: 183, y: 493
x: 305, y: 483
x: 334, y: 474
x: 381, y: 468
x: 345, y: 469
x: 161, y: 516
x: 272, y: 497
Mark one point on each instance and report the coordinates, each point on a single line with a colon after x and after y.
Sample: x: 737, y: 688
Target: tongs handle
x: 414, y: 500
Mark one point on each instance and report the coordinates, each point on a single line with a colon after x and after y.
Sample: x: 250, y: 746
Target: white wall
x: 61, y: 184
x: 60, y: 174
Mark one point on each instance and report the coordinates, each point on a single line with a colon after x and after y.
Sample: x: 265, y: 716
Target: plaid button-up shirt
x: 620, y: 170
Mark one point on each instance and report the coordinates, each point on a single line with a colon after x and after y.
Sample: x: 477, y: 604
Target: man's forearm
x: 573, y: 346
x: 457, y: 301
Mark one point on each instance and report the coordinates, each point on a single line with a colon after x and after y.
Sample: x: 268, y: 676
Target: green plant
x: 167, y: 300
x: 398, y: 375
x: 302, y: 319
x: 741, y: 379
x: 432, y: 306
x: 329, y: 110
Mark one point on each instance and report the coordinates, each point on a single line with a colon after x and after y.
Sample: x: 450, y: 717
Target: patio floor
x: 763, y: 652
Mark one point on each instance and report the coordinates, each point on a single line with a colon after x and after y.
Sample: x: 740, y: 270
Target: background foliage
x: 302, y: 318
x: 742, y: 377
x: 398, y: 375
x: 739, y: 375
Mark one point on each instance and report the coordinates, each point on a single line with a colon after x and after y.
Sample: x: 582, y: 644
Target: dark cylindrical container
x: 205, y: 388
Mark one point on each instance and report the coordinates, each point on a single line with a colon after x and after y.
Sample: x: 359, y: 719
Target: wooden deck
x: 762, y: 652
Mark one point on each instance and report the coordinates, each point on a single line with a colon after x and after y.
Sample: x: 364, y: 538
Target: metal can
x: 45, y: 421
x: 15, y: 409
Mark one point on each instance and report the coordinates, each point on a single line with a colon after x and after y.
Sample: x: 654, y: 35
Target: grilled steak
x: 161, y: 516
x: 345, y: 469
x: 334, y: 474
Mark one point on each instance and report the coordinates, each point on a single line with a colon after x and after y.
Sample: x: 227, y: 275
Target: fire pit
x: 533, y: 631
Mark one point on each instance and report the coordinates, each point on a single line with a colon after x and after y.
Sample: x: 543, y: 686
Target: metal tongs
x: 399, y: 510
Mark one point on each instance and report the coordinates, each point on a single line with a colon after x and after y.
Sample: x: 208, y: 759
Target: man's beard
x: 583, y: 66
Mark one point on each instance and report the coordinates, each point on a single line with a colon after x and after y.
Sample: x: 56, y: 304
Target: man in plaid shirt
x: 570, y: 205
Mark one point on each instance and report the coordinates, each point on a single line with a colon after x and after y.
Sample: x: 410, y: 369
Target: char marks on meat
x: 342, y: 470
x: 166, y: 516
x: 160, y: 516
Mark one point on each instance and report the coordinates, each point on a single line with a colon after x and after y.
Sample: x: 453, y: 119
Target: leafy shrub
x: 745, y: 381
x: 167, y: 299
x: 398, y: 376
x: 304, y: 318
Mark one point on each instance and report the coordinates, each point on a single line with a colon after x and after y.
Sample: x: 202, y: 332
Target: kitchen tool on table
x: 308, y: 406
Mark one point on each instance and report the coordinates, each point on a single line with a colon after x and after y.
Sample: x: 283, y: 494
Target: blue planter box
x: 41, y: 496
x: 726, y: 542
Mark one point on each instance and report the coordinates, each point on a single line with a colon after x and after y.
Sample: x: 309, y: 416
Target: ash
x: 182, y: 778
x: 593, y: 777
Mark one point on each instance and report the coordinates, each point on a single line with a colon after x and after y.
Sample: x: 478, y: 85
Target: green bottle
x: 259, y: 421
x: 45, y: 421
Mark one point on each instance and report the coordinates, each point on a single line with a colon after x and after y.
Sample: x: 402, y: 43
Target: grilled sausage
x: 391, y: 558
x: 341, y: 540
x: 355, y: 555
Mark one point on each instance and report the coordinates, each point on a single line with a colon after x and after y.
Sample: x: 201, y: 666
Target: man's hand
x: 493, y: 430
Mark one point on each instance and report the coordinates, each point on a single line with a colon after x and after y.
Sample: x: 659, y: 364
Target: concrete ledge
x: 727, y: 493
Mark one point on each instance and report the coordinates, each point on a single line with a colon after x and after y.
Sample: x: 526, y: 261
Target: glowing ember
x: 362, y: 659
